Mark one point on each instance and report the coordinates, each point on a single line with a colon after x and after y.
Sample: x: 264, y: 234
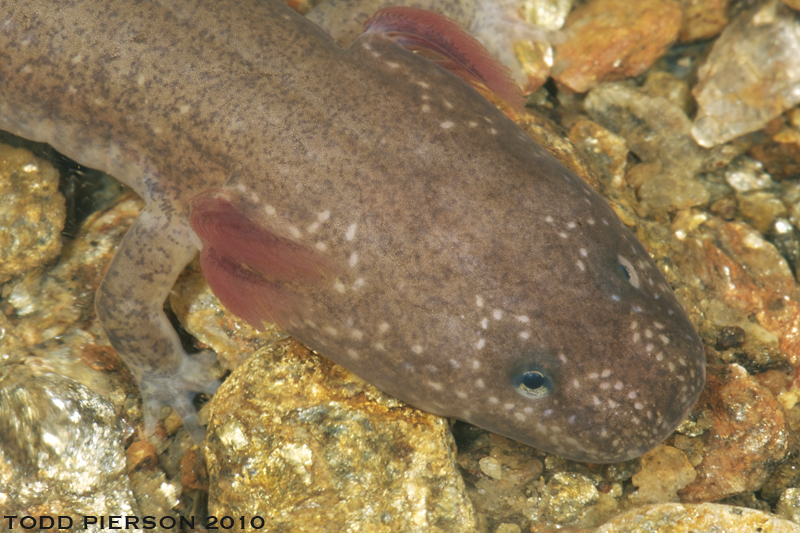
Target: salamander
x: 373, y: 204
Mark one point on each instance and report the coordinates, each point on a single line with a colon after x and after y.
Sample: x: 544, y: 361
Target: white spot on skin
x: 462, y: 395
x: 338, y: 286
x: 476, y: 364
x: 497, y: 314
x: 605, y: 373
x: 425, y: 108
x: 330, y: 331
x: 358, y: 283
x: 525, y: 335
x: 423, y: 84
x: 268, y: 209
x: 350, y: 234
x: 479, y: 301
x: 325, y: 215
x: 379, y: 346
x: 472, y: 124
x: 446, y: 125
x: 493, y: 400
x: 353, y: 259
x: 479, y: 383
x: 579, y: 264
x: 520, y: 417
x: 485, y: 323
x: 383, y: 327
x: 508, y: 406
x: 524, y: 319
x: 356, y: 334
x: 417, y: 349
x: 353, y: 354
x: 435, y: 385
x: 314, y: 226
x: 321, y: 246
x: 480, y: 344
x: 295, y: 232
x: 392, y: 64
x: 584, y: 252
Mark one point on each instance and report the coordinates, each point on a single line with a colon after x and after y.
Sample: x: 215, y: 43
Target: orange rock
x: 702, y: 19
x: 614, y: 39
x: 747, y: 440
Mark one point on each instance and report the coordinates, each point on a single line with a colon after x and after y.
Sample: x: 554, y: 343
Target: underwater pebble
x: 788, y: 506
x: 610, y: 40
x: 320, y: 438
x: 665, y: 470
x: 61, y: 451
x: 685, y: 518
x: 751, y: 75
x: 747, y: 439
x: 656, y: 131
x: 32, y: 212
x: 491, y: 467
x: 702, y: 19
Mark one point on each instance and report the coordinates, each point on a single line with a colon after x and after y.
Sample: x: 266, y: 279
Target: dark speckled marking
x: 479, y: 278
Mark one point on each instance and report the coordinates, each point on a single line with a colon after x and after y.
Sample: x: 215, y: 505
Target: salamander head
x: 588, y: 354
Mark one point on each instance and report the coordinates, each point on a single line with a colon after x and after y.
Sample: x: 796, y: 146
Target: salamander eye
x: 533, y: 384
x: 628, y: 271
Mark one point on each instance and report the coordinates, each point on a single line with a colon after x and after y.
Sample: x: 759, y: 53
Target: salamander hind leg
x: 130, y: 306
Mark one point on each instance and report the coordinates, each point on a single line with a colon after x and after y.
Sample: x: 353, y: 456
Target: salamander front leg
x: 130, y: 306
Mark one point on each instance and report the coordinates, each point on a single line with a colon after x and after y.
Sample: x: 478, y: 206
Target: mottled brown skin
x: 466, y: 255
